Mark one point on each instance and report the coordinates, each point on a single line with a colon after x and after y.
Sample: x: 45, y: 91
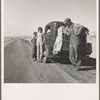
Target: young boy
x: 34, y: 49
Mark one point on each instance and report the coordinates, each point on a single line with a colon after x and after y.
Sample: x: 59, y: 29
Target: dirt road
x: 20, y: 68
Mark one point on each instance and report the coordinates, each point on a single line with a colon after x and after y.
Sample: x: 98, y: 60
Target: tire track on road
x: 17, y: 67
x: 30, y: 60
x: 72, y: 74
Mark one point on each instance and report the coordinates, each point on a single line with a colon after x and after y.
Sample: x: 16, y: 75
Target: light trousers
x: 39, y: 51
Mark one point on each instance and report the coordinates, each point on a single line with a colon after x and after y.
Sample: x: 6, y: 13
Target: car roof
x: 52, y: 22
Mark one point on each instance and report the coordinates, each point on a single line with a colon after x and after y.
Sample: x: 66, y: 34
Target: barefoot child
x: 34, y: 48
x: 39, y: 44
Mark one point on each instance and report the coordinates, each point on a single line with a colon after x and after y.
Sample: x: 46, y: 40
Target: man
x: 77, y: 34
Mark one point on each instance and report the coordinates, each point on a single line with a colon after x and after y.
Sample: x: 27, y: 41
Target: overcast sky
x: 22, y: 17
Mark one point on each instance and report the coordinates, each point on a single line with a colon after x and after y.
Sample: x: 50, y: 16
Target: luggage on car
x: 62, y: 41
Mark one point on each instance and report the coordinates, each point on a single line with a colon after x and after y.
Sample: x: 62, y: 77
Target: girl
x: 39, y: 44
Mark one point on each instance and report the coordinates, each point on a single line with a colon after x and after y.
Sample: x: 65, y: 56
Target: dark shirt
x: 33, y: 40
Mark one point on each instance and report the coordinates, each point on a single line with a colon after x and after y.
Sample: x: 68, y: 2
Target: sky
x: 23, y: 17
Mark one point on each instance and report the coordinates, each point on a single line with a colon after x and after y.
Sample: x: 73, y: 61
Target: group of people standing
x: 71, y: 29
x: 37, y: 41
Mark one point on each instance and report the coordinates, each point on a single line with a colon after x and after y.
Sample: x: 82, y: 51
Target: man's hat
x: 66, y: 20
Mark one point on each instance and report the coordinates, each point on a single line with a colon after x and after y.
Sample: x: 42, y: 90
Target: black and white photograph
x: 50, y: 42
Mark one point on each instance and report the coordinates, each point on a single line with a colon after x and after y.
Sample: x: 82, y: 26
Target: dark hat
x: 66, y: 20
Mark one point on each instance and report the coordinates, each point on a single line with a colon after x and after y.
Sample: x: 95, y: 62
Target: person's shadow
x: 88, y: 68
x: 90, y: 64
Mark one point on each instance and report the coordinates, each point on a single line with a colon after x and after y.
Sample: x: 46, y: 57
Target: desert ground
x: 19, y: 66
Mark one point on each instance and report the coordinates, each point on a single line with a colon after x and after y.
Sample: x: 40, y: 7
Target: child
x: 39, y: 44
x: 34, y: 49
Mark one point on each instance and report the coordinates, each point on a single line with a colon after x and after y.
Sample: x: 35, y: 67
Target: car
x: 56, y: 43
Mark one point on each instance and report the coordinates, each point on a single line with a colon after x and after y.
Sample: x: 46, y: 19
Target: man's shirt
x: 75, y: 28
